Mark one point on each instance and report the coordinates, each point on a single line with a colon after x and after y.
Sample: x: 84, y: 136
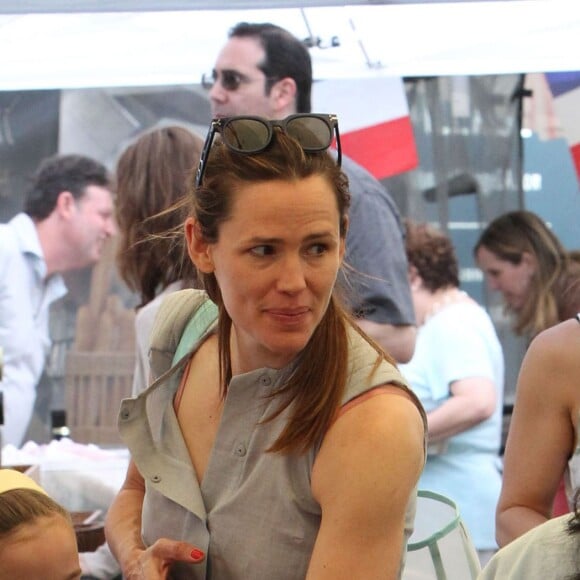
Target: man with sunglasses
x: 265, y: 71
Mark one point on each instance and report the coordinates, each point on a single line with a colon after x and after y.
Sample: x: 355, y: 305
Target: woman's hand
x: 123, y: 533
x: 154, y: 563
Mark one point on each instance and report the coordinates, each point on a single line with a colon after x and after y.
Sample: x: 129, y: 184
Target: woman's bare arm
x: 123, y: 525
x: 363, y: 478
x: 542, y: 435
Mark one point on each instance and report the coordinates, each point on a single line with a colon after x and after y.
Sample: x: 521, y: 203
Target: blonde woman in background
x: 525, y: 261
x: 540, y: 282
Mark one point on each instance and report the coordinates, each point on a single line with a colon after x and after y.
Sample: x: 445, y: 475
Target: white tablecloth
x: 80, y: 477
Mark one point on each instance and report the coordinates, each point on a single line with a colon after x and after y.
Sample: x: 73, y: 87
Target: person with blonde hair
x: 540, y: 283
x: 37, y: 537
x: 283, y: 443
x: 523, y: 259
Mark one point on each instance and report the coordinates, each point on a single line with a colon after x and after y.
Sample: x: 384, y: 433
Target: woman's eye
x: 317, y: 249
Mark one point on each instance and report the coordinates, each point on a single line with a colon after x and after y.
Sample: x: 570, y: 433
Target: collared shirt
x: 25, y: 298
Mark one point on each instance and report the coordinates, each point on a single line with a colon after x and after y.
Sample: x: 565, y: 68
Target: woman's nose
x: 291, y: 277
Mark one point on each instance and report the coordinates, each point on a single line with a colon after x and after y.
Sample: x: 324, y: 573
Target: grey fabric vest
x: 254, y: 515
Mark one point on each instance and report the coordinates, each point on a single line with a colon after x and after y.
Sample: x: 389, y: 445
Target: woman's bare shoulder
x: 390, y: 416
x: 553, y: 358
x: 561, y: 340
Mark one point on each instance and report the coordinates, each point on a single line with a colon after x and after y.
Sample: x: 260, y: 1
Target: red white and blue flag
x: 565, y: 87
x: 373, y: 119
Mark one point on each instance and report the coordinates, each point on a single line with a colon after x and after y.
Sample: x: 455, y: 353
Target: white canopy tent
x: 79, y: 49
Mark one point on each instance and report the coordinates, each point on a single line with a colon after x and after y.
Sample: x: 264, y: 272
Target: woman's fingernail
x: 197, y: 555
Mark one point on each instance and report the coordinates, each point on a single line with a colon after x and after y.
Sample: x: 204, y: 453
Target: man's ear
x: 283, y: 94
x: 65, y: 204
x: 415, y: 280
x: 198, y: 249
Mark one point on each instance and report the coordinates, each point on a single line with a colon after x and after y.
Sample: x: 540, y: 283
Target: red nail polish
x: 197, y: 555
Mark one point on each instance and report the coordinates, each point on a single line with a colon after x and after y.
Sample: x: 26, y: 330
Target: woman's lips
x: 289, y: 315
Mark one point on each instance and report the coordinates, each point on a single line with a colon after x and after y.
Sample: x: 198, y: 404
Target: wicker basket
x: 96, y: 383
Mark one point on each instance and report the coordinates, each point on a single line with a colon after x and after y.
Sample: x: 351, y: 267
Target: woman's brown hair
x: 152, y: 176
x: 432, y: 253
x: 510, y: 236
x: 318, y: 377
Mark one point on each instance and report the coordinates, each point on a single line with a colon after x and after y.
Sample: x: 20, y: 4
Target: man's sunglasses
x: 230, y: 80
x: 250, y: 135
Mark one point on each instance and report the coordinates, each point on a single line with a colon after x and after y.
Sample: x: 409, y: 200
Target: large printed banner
x: 373, y: 119
x: 565, y: 87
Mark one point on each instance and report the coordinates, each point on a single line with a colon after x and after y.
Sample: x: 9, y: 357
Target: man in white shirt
x: 68, y: 216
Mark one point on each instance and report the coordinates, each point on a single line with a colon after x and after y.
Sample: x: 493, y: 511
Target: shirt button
x: 240, y: 450
x: 265, y: 380
x: 156, y: 479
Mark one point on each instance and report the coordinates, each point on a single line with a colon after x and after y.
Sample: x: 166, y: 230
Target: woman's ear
x: 530, y: 262
x: 198, y: 249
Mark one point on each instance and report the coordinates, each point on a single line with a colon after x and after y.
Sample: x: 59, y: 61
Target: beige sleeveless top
x: 253, y: 514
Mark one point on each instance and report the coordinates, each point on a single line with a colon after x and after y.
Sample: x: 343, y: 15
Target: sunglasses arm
x: 204, y: 154
x: 338, y: 147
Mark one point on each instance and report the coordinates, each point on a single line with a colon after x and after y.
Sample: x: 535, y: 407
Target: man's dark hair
x: 286, y: 56
x: 60, y: 173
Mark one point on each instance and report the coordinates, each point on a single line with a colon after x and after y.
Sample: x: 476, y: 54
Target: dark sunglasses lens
x: 246, y: 135
x: 312, y: 133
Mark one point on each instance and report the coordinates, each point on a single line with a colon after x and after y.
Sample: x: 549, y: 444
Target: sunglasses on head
x: 229, y: 79
x: 250, y: 135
